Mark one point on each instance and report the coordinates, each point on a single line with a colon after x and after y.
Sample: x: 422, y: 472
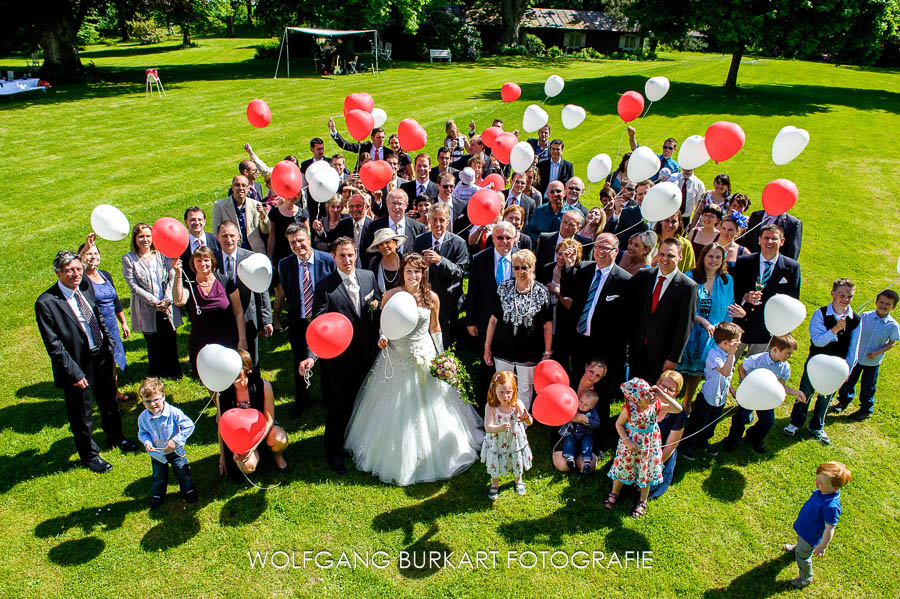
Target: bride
x: 408, y: 426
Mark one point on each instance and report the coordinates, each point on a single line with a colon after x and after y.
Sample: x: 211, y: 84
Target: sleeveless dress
x: 256, y: 392
x: 407, y: 426
x: 215, y: 322
x: 645, y: 467
x: 108, y: 304
x: 693, y: 360
x: 506, y: 452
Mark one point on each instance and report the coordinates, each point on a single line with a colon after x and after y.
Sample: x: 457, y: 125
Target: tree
x: 191, y: 14
x: 55, y: 23
x: 511, y: 13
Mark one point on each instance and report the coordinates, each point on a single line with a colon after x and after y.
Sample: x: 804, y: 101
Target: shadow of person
x: 424, y: 556
x: 725, y: 484
x: 243, y: 509
x: 758, y: 583
x: 76, y: 551
x: 31, y: 463
x: 30, y: 417
x: 171, y: 532
x: 622, y: 540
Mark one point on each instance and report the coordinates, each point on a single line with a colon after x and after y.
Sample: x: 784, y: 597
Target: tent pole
x: 284, y: 37
x: 287, y: 42
x: 376, y: 53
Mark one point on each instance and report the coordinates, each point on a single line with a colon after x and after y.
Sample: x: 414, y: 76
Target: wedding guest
x: 708, y: 231
x: 505, y: 449
x: 594, y: 223
x: 286, y: 213
x: 728, y: 230
x: 618, y: 178
x: 672, y: 228
x: 568, y: 257
x: 250, y: 215
x: 671, y: 429
x: 639, y: 251
x: 386, y: 264
x: 333, y: 225
x: 587, y: 382
x: 718, y: 195
x: 532, y: 185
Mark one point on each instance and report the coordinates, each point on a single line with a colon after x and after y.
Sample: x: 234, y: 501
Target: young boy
x: 817, y: 518
x: 781, y: 348
x: 718, y: 371
x: 163, y: 429
x: 833, y: 330
x: 579, y: 433
x: 878, y: 333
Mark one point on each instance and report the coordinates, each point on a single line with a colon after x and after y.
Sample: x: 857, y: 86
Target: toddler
x: 579, y: 432
x: 505, y: 449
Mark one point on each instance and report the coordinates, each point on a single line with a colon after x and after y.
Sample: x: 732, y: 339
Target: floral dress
x: 506, y: 452
x: 643, y: 468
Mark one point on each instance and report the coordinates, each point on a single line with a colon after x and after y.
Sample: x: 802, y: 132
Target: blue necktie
x: 767, y: 271
x: 500, y: 275
x: 583, y: 321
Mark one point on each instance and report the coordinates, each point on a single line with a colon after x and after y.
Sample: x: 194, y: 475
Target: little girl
x: 639, y: 455
x: 505, y: 447
x: 455, y: 141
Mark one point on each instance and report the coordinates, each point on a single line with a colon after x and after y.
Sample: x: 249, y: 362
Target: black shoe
x: 98, y: 465
x: 337, y: 465
x: 688, y: 454
x: 712, y: 450
x: 839, y: 408
x: 127, y: 445
x: 570, y: 463
x: 296, y: 411
x: 860, y: 415
x: 156, y: 502
x: 190, y: 496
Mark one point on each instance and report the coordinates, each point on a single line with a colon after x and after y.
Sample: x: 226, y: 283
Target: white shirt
x: 352, y: 286
x: 69, y: 294
x: 666, y: 283
x: 376, y: 152
x: 604, y: 274
x: 421, y: 187
x: 695, y: 190
x: 762, y: 265
x: 397, y: 227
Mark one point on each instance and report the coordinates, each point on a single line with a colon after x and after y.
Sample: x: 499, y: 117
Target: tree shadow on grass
x: 757, y: 583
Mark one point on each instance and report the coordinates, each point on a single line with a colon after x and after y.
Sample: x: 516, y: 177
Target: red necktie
x: 657, y: 291
x: 683, y: 195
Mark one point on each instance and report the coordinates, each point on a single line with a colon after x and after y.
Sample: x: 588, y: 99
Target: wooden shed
x: 577, y: 29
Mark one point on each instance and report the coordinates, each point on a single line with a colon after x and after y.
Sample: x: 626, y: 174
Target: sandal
x: 520, y: 488
x: 610, y: 500
x: 493, y: 492
x: 640, y: 508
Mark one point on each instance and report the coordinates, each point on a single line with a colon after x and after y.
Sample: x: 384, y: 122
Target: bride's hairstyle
x: 503, y: 377
x: 417, y: 261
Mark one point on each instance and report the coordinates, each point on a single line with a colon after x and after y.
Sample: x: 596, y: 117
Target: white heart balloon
x: 218, y: 366
x: 898, y: 265
x: 572, y: 116
x: 323, y: 183
x: 399, y: 316
x: 521, y: 157
x: 783, y: 314
x: 643, y: 164
x: 255, y: 271
x: 598, y: 168
x: 693, y: 152
x: 661, y: 202
x: 656, y: 88
x: 534, y: 118
x: 827, y: 373
x: 315, y: 167
x: 109, y: 223
x: 788, y: 144
x: 380, y: 117
x: 553, y: 86
x: 760, y: 390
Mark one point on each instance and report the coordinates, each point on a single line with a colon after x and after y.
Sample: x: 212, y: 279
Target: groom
x: 354, y: 294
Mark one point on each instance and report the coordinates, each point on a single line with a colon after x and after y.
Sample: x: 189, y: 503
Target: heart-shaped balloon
x: 241, y: 429
x: 375, y: 174
x: 359, y: 101
x: 662, y: 201
x: 553, y: 86
x: 656, y: 88
x: 360, y: 124
x: 760, y: 390
x: 489, y: 135
x: 723, y: 140
x: 599, y: 167
x: 692, y: 153
x: 521, y: 158
x: 643, y: 164
x: 510, y: 92
x: 412, y: 135
x: 572, y: 116
x: 255, y: 271
x: 323, y: 183
x: 503, y: 145
x: 534, y: 118
x: 788, y: 144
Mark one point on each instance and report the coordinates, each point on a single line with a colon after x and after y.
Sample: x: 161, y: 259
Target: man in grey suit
x: 247, y: 213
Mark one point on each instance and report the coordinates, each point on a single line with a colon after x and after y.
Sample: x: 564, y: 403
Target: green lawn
x: 716, y: 533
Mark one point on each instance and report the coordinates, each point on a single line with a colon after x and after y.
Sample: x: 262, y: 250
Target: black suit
x: 411, y: 228
x: 566, y: 171
x: 343, y: 375
x: 479, y: 306
x: 322, y: 241
x: 463, y: 162
x: 364, y: 147
x: 72, y: 359
x: 793, y: 234
x: 660, y: 335
x: 546, y: 246
x: 628, y: 223
x: 527, y: 204
x: 785, y: 279
x: 460, y: 217
x: 308, y: 162
x: 436, y: 170
x: 257, y: 306
x: 211, y: 242
x: 431, y: 191
x: 446, y: 278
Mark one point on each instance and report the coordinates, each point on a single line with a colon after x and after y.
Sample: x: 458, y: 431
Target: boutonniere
x: 373, y: 305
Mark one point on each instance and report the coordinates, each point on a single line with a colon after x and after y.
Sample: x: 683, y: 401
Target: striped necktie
x: 307, y: 290
x: 583, y: 321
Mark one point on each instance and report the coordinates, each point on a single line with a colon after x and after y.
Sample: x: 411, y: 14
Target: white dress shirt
x: 352, y: 286
x: 69, y: 294
x: 695, y: 191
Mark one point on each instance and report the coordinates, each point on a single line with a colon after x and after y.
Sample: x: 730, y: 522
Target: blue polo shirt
x: 818, y: 511
x: 875, y: 333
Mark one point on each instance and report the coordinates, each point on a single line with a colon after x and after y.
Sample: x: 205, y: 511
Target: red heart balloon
x: 549, y: 372
x: 510, y: 92
x: 359, y: 101
x: 375, y: 174
x: 412, y: 135
x: 360, y: 124
x: 779, y: 196
x: 286, y: 179
x: 492, y: 179
x: 489, y: 135
x: 259, y: 114
x: 555, y: 405
x: 503, y: 145
x: 242, y: 429
x: 170, y: 237
x: 329, y: 335
x: 484, y: 207
x: 630, y: 106
x: 723, y: 140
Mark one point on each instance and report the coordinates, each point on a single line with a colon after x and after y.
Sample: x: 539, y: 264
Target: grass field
x: 716, y: 533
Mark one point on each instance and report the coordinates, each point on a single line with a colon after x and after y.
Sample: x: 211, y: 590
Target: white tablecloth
x: 18, y: 86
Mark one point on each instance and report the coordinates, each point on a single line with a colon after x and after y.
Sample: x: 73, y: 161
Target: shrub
x: 268, y: 48
x: 146, y: 31
x: 555, y: 52
x: 443, y: 29
x: 534, y: 46
x: 89, y: 33
x: 517, y: 50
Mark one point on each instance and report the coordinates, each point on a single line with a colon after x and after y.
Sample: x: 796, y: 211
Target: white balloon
x: 323, y: 183
x: 760, y: 390
x: 656, y: 88
x: 218, y: 366
x: 380, y: 117
x: 693, y: 152
x: 109, y: 223
x: 534, y: 118
x: 399, y: 316
x: 643, y: 164
x: 255, y: 271
x: 598, y: 168
x: 788, y: 144
x: 662, y: 201
x: 898, y: 265
x: 521, y: 157
x: 572, y: 116
x: 827, y: 373
x: 315, y: 167
x: 553, y: 86
x: 783, y: 313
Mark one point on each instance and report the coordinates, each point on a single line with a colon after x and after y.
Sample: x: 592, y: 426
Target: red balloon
x: 555, y: 405
x: 412, y: 135
x: 503, y: 145
x: 549, y: 372
x: 329, y: 335
x: 286, y: 179
x: 375, y: 174
x: 494, y: 179
x: 779, y: 196
x: 169, y: 237
x: 723, y: 140
x: 259, y: 114
x: 510, y: 92
x: 489, y: 135
x: 360, y: 124
x: 630, y: 107
x: 241, y: 429
x: 484, y: 207
x: 359, y: 101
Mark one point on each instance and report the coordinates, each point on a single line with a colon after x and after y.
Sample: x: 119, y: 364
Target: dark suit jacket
x: 431, y: 190
x: 629, y: 222
x: 446, y: 277
x: 344, y: 228
x: 663, y: 333
x: 525, y: 201
x: 289, y: 278
x: 482, y: 290
x: 463, y: 162
x: 546, y: 246
x: 66, y: 342
x: 211, y: 242
x: 436, y: 170
x: 308, y: 162
x: 609, y: 324
x: 356, y: 148
x: 524, y: 243
x: 785, y: 279
x: 793, y: 234
x: 566, y: 172
x: 460, y: 217
x: 411, y: 227
x: 257, y: 306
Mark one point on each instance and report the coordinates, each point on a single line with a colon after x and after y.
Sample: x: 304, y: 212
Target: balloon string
x: 748, y: 230
x: 387, y: 357
x: 713, y: 423
x: 256, y: 485
x: 648, y: 109
x: 869, y: 301
x: 191, y: 287
x: 212, y: 395
x: 306, y: 378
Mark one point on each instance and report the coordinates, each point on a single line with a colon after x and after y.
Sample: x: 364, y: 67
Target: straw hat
x: 382, y: 235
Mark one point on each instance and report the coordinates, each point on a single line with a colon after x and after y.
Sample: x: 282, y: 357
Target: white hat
x: 663, y: 174
x: 467, y: 175
x: 382, y: 235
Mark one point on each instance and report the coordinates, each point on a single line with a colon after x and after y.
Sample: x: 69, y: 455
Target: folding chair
x: 35, y: 60
x: 386, y: 53
x: 351, y: 66
x: 153, y: 79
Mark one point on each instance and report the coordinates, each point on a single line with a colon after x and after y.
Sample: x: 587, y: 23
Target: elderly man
x: 574, y: 191
x: 250, y: 215
x: 515, y: 196
x: 374, y: 148
x: 554, y: 168
x: 692, y: 191
x: 395, y: 220
x: 317, y: 147
x: 546, y: 218
x: 626, y: 221
x: 443, y: 165
x: 358, y: 205
x: 541, y: 145
x: 195, y: 221
x: 81, y: 355
x: 665, y: 159
x: 548, y: 242
x: 422, y: 185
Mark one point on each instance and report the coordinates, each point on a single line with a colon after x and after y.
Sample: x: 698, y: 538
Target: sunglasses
x: 668, y: 147
x: 555, y: 191
x: 521, y: 267
x: 503, y: 238
x: 446, y: 186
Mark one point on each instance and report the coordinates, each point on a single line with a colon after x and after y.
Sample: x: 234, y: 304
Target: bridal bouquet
x: 447, y: 367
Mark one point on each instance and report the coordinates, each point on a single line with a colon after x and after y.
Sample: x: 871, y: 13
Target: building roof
x: 559, y: 18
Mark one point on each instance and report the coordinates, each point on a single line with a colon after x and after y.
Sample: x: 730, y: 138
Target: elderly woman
x: 386, y: 265
x: 728, y: 231
x: 674, y: 227
x: 335, y: 224
x: 150, y: 277
x: 594, y: 371
x: 520, y: 330
x: 568, y: 257
x: 594, y: 223
x: 215, y: 305
x: 637, y: 255
x: 250, y: 391
x: 671, y: 428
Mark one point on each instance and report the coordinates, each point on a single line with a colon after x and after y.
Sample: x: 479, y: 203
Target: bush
x: 268, y: 49
x: 555, y: 52
x: 534, y: 46
x: 89, y: 33
x: 443, y: 29
x: 517, y: 50
x: 146, y: 32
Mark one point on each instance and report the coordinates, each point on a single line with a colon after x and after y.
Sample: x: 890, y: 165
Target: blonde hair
x: 504, y: 377
x: 676, y: 378
x: 151, y: 386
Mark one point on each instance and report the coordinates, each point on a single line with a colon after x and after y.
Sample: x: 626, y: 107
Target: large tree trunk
x: 122, y: 25
x: 185, y: 35
x: 229, y: 25
x: 58, y: 39
x: 511, y: 12
x: 250, y: 13
x: 731, y: 81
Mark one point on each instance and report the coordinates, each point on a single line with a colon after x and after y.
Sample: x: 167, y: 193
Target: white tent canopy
x: 285, y: 47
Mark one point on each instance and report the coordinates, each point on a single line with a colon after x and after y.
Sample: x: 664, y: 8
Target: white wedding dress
x: 408, y: 426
